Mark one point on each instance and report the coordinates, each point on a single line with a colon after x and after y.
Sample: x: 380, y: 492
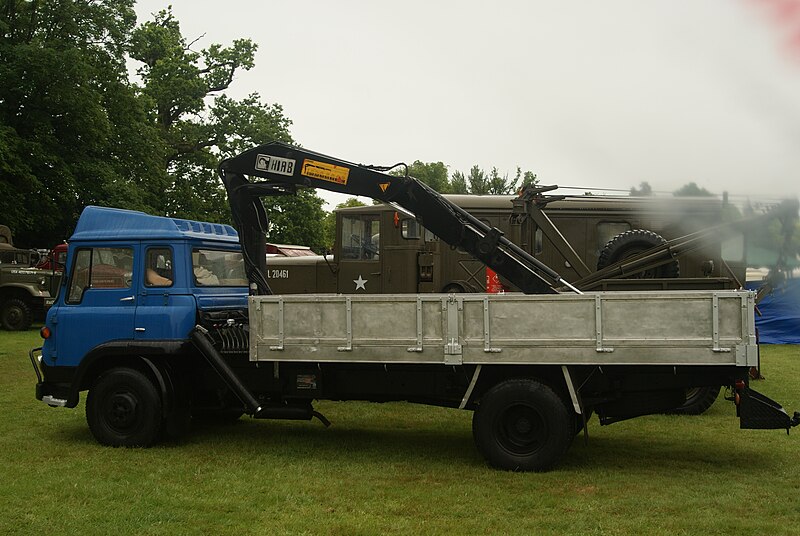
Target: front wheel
x: 522, y: 425
x: 123, y: 409
x: 15, y: 315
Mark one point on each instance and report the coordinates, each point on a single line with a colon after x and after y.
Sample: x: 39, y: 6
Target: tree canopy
x: 691, y: 190
x: 77, y: 129
x: 477, y: 182
x: 73, y: 130
x: 92, y: 135
x: 644, y: 190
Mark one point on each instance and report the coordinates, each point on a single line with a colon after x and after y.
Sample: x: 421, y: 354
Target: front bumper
x: 51, y: 393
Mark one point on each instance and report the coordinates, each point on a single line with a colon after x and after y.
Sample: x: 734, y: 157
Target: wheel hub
x: 122, y: 411
x: 522, y: 430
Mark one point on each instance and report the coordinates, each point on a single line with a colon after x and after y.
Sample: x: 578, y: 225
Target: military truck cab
x: 377, y: 250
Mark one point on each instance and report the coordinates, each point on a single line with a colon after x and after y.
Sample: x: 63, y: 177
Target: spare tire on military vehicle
x: 632, y: 243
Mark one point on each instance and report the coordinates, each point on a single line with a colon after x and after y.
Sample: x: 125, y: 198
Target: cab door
x: 360, y: 254
x: 165, y: 309
x: 99, y: 303
x: 407, y: 266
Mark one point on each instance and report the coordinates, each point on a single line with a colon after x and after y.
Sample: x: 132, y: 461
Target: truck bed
x: 614, y: 328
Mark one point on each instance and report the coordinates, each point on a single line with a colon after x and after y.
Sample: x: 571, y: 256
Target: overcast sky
x: 591, y: 94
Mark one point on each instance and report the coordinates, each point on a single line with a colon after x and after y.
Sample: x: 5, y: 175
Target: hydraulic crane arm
x: 285, y: 167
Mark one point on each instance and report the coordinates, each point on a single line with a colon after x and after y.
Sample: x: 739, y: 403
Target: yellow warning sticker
x: 325, y: 172
x: 384, y: 186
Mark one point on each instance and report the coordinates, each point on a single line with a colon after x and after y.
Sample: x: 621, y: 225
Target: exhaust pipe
x: 200, y: 338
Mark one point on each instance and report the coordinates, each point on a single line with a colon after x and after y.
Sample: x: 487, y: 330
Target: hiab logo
x: 275, y: 164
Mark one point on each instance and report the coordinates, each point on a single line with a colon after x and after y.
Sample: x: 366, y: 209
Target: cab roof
x: 103, y: 223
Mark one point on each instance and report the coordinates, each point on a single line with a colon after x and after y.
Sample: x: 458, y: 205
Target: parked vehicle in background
x: 387, y: 249
x: 25, y: 292
x: 55, y: 259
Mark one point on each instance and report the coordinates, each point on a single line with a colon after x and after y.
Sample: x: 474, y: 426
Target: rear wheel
x: 123, y: 409
x: 522, y: 425
x: 698, y: 401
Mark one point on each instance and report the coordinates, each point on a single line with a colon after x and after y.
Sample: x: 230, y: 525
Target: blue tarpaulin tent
x: 780, y: 320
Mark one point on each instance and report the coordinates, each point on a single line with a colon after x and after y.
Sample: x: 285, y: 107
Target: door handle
x: 128, y: 298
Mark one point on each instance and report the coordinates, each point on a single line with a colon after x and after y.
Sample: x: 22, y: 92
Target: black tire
x: 522, y: 425
x: 698, y: 400
x: 15, y: 315
x: 632, y: 243
x: 123, y: 409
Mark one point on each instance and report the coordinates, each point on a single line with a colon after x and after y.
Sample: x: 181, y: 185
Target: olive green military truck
x: 25, y: 292
x: 381, y: 249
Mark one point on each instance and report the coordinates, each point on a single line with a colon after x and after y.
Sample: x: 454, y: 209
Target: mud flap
x: 757, y: 411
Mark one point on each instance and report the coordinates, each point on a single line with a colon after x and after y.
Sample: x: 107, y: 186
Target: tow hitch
x: 757, y: 411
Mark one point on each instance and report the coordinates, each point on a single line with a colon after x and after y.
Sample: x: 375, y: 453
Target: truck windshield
x: 215, y: 268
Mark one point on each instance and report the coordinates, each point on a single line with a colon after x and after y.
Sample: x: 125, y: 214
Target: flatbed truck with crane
x: 163, y: 320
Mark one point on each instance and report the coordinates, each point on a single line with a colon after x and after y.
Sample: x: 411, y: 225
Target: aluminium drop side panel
x: 659, y: 328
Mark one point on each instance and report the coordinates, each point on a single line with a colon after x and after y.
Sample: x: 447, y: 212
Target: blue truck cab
x: 135, y: 285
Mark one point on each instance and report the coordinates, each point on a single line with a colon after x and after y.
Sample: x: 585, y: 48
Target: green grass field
x: 394, y: 469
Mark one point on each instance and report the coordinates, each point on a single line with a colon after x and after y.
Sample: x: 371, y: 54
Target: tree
x: 529, y: 178
x: 88, y: 135
x: 477, y: 182
x: 176, y: 84
x: 297, y: 219
x: 691, y: 190
x: 72, y: 129
x: 434, y: 174
x: 498, y: 185
x: 458, y: 184
x: 644, y: 190
x: 196, y: 136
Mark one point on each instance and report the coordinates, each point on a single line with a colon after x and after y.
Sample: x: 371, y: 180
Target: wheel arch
x: 492, y: 375
x: 157, y: 360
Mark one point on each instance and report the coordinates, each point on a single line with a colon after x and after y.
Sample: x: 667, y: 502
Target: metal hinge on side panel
x: 487, y: 335
x: 279, y: 346
x: 452, y: 348
x: 349, y: 319
x: 598, y: 324
x: 418, y: 347
x: 715, y: 325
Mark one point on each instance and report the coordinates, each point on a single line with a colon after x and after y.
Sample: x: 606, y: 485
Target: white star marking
x: 360, y: 282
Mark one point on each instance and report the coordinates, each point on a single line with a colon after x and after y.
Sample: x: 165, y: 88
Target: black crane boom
x: 284, y: 168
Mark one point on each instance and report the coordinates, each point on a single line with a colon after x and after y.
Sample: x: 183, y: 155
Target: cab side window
x: 100, y: 268
x: 361, y: 237
x: 158, y: 271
